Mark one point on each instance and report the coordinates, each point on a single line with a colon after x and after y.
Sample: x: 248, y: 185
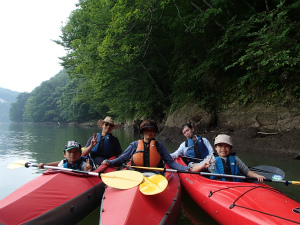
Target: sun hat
x: 72, y: 144
x: 107, y: 119
x: 148, y: 124
x: 223, y: 138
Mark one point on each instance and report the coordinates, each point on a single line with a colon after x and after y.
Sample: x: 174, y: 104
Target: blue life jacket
x: 103, y: 148
x: 77, y: 165
x: 197, y: 148
x: 220, y: 168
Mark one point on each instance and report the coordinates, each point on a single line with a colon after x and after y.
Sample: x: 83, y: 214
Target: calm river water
x: 42, y: 143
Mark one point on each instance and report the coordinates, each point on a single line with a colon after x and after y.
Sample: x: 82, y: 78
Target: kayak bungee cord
x: 243, y: 194
x: 270, y: 188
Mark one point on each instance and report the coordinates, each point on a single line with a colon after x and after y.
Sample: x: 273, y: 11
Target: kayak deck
x: 240, y: 202
x: 130, y: 206
x: 56, y: 197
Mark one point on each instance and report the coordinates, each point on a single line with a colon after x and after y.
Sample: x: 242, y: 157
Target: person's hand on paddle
x: 260, y: 178
x: 104, y: 162
x: 41, y: 165
x: 88, y: 166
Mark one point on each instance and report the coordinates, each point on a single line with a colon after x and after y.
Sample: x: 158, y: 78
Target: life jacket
x: 234, y: 170
x: 77, y: 164
x: 103, y: 148
x: 197, y: 149
x: 148, y: 156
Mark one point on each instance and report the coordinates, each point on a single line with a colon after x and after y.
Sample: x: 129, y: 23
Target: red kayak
x: 132, y: 207
x: 240, y: 202
x: 55, y: 197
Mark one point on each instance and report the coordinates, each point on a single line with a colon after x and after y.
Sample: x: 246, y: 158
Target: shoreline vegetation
x: 223, y: 66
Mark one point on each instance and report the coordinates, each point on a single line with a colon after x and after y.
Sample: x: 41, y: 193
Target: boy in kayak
x: 103, y: 145
x: 226, y: 162
x: 146, y: 152
x: 73, y: 158
x: 194, y: 146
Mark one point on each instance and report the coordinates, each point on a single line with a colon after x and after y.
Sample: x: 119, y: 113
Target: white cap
x: 223, y: 138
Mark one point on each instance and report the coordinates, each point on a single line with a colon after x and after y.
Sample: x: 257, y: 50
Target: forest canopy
x: 138, y: 59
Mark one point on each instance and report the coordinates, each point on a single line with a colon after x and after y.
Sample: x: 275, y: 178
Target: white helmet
x: 223, y: 138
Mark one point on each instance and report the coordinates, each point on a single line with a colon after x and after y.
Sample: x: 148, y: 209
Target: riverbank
x: 271, y: 129
x: 254, y: 128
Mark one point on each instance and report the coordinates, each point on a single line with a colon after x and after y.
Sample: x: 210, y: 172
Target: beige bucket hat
x: 223, y: 138
x: 109, y: 120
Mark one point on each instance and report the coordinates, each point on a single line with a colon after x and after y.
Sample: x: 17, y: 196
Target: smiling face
x: 72, y: 155
x: 188, y: 132
x: 223, y: 149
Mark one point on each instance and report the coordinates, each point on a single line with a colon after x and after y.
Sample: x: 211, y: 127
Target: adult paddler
x: 103, y: 145
x: 147, y: 151
x: 194, y: 146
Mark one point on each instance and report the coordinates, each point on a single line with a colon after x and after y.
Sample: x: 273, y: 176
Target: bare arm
x: 260, y: 178
x: 41, y: 165
x: 205, y: 164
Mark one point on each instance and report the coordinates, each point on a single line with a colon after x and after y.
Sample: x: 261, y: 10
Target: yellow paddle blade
x: 296, y: 182
x: 123, y: 179
x: 153, y: 185
x: 17, y: 164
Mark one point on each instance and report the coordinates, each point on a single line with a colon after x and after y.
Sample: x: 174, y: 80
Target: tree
x: 17, y: 108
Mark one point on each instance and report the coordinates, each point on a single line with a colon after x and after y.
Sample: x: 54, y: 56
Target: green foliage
x: 7, y: 97
x: 17, y: 108
x: 42, y: 105
x: 138, y: 59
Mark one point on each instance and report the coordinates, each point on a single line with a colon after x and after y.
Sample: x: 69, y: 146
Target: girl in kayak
x: 103, y: 145
x: 73, y: 158
x: 194, y: 146
x: 147, y: 151
x: 226, y: 162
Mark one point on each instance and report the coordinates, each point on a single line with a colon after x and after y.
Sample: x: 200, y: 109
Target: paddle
x: 192, y: 159
x: 153, y: 185
x: 123, y: 179
x: 17, y: 164
x: 266, y: 171
x: 286, y: 182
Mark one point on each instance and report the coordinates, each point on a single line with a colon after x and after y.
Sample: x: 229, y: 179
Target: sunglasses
x: 109, y: 124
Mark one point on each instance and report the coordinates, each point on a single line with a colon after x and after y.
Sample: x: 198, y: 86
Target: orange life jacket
x: 153, y: 159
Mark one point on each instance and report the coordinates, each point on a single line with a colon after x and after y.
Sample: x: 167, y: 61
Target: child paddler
x: 73, y: 158
x: 226, y: 162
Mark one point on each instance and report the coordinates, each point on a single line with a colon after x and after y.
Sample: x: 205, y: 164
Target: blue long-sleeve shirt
x: 131, y: 149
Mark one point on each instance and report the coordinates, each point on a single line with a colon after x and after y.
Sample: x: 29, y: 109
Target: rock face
x: 274, y: 129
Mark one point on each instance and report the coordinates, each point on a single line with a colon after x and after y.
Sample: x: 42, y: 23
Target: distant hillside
x: 6, y: 98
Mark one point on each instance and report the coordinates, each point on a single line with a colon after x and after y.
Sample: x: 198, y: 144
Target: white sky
x: 27, y: 55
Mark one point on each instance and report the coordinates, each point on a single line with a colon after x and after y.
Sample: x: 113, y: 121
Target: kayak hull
x: 53, y: 198
x: 240, y: 202
x: 132, y: 207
